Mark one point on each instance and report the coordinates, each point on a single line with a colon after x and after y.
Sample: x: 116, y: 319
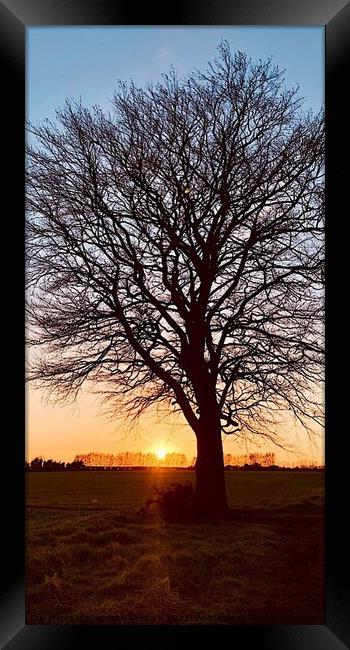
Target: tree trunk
x: 210, y: 493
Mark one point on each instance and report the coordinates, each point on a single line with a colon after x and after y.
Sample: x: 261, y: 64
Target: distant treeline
x: 40, y: 465
x: 149, y: 459
x: 132, y: 459
x: 254, y: 467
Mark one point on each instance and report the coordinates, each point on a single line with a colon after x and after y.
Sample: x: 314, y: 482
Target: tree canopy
x: 175, y: 248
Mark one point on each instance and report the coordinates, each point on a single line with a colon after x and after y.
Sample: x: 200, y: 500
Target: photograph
x: 175, y: 325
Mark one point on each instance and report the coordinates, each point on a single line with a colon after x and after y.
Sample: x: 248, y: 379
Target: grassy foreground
x: 92, y: 559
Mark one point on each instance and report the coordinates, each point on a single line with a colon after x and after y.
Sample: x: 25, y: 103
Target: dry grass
x: 89, y: 563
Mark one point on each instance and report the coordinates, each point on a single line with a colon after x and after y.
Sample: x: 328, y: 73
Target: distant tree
x: 41, y: 465
x: 75, y: 466
x: 51, y: 465
x: 36, y: 464
x: 269, y: 459
x: 228, y: 459
x: 175, y: 254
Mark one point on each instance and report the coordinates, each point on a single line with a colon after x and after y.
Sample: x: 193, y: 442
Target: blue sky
x: 86, y: 61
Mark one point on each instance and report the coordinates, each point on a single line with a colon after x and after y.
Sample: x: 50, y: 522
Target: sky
x: 86, y: 62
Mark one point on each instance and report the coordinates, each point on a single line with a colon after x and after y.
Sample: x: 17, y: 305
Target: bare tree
x: 175, y: 254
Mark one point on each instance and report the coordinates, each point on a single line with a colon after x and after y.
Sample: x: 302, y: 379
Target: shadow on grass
x: 175, y: 503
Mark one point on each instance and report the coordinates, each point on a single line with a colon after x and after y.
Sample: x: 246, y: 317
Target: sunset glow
x: 161, y: 453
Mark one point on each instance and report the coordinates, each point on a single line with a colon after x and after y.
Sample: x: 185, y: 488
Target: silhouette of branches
x: 175, y: 248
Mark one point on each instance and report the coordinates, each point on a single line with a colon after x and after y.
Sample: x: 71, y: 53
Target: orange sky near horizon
x: 61, y: 432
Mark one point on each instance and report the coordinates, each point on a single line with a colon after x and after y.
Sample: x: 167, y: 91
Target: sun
x: 160, y: 453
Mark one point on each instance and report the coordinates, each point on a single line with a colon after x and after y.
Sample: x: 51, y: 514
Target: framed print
x: 176, y: 261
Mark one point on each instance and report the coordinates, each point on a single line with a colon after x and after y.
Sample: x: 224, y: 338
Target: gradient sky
x: 85, y: 62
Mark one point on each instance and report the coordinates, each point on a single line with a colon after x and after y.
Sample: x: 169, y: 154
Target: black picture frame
x: 15, y: 17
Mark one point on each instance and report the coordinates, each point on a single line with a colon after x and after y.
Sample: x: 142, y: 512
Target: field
x: 92, y: 559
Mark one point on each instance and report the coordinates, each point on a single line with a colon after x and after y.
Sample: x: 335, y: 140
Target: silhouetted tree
x: 36, y: 464
x: 75, y: 466
x: 175, y: 254
x: 40, y: 465
x: 51, y: 465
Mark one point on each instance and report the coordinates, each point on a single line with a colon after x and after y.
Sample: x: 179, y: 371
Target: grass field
x: 92, y: 559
